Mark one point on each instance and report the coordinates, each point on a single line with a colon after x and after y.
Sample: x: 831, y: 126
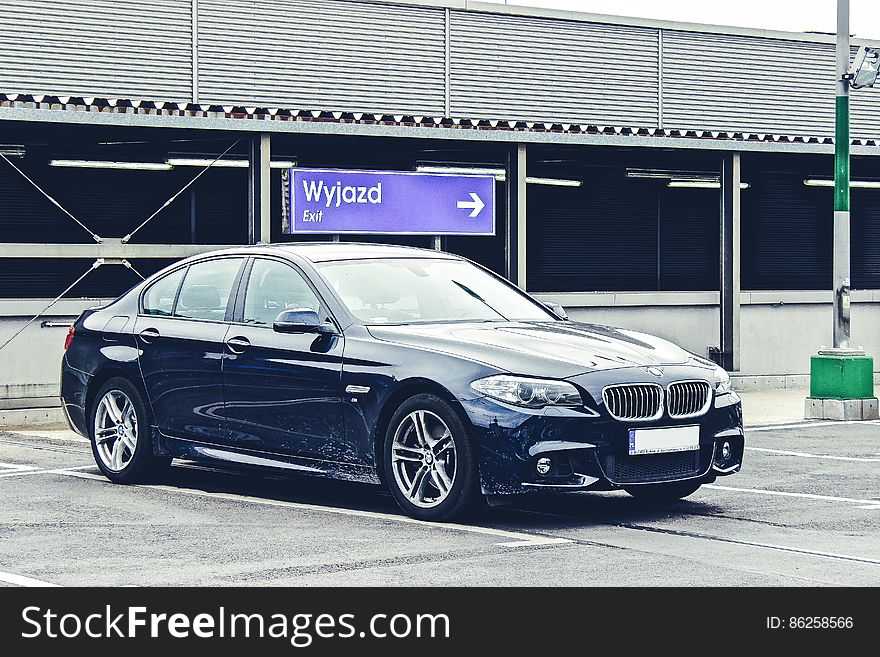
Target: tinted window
x: 159, y: 298
x: 426, y: 290
x: 273, y: 287
x: 206, y: 289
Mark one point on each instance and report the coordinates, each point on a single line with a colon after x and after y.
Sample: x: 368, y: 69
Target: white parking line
x: 63, y: 436
x: 21, y: 580
x: 34, y: 471
x: 769, y: 546
x: 514, y: 539
x: 15, y: 467
x: 814, y: 456
x: 867, y: 504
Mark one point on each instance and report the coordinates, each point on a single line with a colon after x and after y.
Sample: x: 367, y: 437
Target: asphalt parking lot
x: 804, y: 511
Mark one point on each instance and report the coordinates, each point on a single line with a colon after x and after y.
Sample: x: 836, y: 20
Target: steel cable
x: 182, y: 190
x: 52, y: 200
x: 95, y: 265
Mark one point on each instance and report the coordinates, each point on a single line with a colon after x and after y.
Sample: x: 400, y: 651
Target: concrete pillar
x: 259, y: 201
x: 730, y: 260
x: 515, y: 216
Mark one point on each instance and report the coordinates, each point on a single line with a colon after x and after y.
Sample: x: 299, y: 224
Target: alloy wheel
x: 423, y: 458
x: 116, y: 430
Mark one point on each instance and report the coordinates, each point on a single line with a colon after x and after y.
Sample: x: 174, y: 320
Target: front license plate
x: 660, y: 441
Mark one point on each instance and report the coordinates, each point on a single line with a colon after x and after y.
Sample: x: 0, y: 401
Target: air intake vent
x: 687, y: 398
x: 641, y: 401
x: 652, y: 467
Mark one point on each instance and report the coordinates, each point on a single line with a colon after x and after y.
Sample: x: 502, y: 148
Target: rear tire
x: 669, y: 492
x: 430, y: 460
x: 120, y: 432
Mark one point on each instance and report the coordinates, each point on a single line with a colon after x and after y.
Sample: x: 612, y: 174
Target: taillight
x: 69, y: 338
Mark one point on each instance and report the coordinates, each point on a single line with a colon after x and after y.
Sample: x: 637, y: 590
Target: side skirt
x: 222, y: 454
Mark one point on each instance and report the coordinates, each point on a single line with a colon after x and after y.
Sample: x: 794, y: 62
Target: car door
x: 282, y: 390
x: 181, y: 332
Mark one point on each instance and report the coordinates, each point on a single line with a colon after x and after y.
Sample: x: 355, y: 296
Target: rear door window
x: 206, y: 289
x: 159, y: 298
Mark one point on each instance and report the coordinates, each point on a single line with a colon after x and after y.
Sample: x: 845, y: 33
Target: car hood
x: 555, y: 349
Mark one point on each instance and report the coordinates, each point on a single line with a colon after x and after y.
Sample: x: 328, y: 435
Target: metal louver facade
x: 425, y: 60
x: 754, y: 84
x: 322, y: 54
x: 785, y: 233
x: 139, y: 49
x: 548, y: 70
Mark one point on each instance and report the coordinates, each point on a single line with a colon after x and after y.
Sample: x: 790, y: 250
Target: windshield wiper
x: 479, y: 298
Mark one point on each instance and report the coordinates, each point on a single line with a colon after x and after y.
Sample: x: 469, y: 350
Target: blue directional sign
x: 390, y: 202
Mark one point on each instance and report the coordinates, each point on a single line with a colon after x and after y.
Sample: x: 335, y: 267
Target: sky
x: 788, y: 15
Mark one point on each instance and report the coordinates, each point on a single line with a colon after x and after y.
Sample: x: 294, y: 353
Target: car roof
x: 326, y: 251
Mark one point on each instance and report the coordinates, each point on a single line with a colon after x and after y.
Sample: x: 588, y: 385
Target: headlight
x: 525, y: 391
x: 722, y: 381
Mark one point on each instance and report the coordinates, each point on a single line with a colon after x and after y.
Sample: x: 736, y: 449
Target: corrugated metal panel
x: 112, y: 202
x: 786, y: 233
x: 751, y: 84
x: 30, y: 278
x: 747, y: 84
x: 602, y: 236
x: 321, y: 54
x: 139, y: 49
x: 689, y: 248
x: 549, y: 70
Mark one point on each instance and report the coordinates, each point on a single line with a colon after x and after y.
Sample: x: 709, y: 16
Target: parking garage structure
x: 666, y: 177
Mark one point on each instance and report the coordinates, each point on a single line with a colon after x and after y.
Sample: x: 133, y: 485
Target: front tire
x: 669, y: 492
x: 430, y: 460
x: 120, y: 432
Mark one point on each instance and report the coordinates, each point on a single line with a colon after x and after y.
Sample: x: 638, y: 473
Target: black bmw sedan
x: 415, y: 369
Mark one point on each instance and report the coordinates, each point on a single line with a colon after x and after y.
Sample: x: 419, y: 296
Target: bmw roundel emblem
x: 655, y: 371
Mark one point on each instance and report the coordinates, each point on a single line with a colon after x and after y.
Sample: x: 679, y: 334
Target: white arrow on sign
x: 475, y: 205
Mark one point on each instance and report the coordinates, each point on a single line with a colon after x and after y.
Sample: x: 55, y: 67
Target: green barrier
x: 841, y: 377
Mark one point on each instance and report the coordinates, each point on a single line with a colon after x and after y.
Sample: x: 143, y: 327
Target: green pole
x: 841, y: 154
x: 841, y: 378
x: 841, y: 251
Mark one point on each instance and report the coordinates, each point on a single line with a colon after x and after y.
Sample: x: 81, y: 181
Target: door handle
x: 237, y: 345
x: 149, y: 334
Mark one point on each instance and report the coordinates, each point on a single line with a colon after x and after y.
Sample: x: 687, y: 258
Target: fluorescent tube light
x: 105, y: 164
x: 557, y: 182
x: 858, y: 184
x: 462, y: 170
x: 663, y: 174
x: 700, y: 184
x: 233, y: 164
x: 12, y: 150
x: 199, y: 162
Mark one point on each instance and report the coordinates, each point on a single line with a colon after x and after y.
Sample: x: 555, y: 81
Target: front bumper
x: 591, y: 453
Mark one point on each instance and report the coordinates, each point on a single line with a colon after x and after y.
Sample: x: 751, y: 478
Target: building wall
x: 780, y: 330
x: 445, y: 59
x: 30, y: 366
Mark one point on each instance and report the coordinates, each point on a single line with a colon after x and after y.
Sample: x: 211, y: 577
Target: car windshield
x: 426, y: 290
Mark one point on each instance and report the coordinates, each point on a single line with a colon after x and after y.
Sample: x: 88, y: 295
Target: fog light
x: 726, y: 451
x: 543, y: 466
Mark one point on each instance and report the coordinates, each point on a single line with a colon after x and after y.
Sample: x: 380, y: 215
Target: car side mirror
x: 556, y: 309
x: 301, y: 320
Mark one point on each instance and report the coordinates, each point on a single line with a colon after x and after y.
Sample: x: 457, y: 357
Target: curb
x: 18, y: 418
